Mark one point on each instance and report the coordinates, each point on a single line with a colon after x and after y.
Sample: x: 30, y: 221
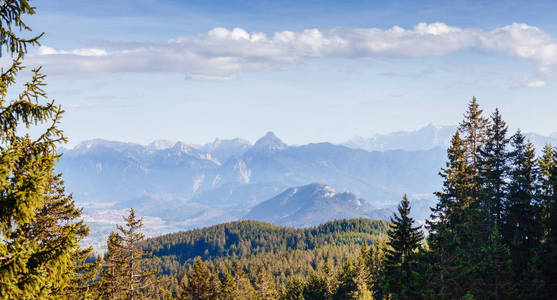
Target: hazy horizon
x: 309, y: 71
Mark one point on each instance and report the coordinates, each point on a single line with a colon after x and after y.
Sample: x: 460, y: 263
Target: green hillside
x: 245, y: 238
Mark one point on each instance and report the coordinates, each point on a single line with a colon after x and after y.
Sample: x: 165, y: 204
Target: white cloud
x: 531, y: 82
x: 535, y: 84
x: 221, y: 53
x: 44, y: 50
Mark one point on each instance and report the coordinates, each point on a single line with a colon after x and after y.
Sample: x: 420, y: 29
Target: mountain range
x: 425, y: 138
x: 178, y: 186
x: 314, y: 204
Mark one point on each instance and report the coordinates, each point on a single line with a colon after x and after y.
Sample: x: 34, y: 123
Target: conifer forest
x: 491, y: 232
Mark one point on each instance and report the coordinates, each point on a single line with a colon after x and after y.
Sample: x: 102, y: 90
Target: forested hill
x: 243, y: 238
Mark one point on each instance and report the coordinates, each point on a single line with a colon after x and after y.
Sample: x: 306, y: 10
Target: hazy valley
x: 177, y: 186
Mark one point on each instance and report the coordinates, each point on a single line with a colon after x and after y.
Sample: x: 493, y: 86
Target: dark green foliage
x: 127, y: 270
x: 352, y: 282
x: 198, y: 286
x: 243, y: 238
x: 446, y: 226
x: 400, y: 258
x: 520, y: 228
x: 294, y: 290
x: 263, y: 274
x: 229, y: 289
x: 494, y: 169
x: 467, y: 255
x: 40, y: 256
x: 544, y: 265
x: 317, y: 287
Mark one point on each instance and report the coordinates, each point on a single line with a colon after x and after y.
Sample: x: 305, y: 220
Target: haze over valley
x: 178, y: 186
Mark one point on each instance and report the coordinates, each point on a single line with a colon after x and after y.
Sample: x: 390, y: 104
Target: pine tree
x: 372, y: 259
x: 110, y: 284
x: 42, y: 265
x: 519, y: 228
x: 266, y: 288
x: 317, y: 287
x: 494, y: 170
x: 450, y: 267
x: 352, y: 282
x: 400, y: 257
x: 473, y: 130
x: 229, y: 290
x: 294, y: 290
x: 243, y: 284
x: 199, y: 285
x: 494, y: 267
x: 56, y: 226
x: 127, y: 270
x: 544, y: 267
x: 460, y: 221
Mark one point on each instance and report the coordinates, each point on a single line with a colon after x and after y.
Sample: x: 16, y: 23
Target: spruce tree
x: 229, y: 290
x: 459, y: 222
x: 127, y: 270
x: 448, y: 268
x: 39, y: 231
x: 294, y: 290
x: 199, y: 285
x: 317, y: 287
x: 352, y: 282
x: 494, y: 170
x: 111, y: 283
x: 519, y: 228
x: 400, y: 258
x: 265, y: 284
x: 494, y: 268
x: 56, y: 227
x: 244, y: 284
x: 473, y: 130
x: 544, y: 266
x: 372, y: 259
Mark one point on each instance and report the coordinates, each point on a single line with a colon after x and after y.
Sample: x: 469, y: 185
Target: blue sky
x: 310, y: 71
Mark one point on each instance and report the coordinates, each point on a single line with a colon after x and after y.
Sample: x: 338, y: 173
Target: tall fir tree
x: 473, y: 130
x: 127, y: 270
x: 400, y: 258
x: 448, y: 267
x: 199, y: 286
x: 317, y: 287
x: 294, y: 289
x: 494, y: 268
x: 229, y: 289
x: 372, y: 259
x: 110, y: 283
x: 544, y: 267
x: 265, y: 284
x: 494, y: 170
x: 458, y: 221
x: 39, y: 231
x: 57, y: 227
x: 519, y: 228
x: 352, y: 282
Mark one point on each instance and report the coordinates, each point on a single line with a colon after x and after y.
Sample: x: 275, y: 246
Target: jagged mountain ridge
x: 180, y: 186
x: 425, y: 138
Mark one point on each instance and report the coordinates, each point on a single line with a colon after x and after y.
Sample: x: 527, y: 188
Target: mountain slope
x: 180, y: 186
x: 311, y: 205
x: 246, y: 238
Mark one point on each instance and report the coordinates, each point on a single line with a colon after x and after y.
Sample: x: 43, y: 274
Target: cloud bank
x: 221, y: 53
